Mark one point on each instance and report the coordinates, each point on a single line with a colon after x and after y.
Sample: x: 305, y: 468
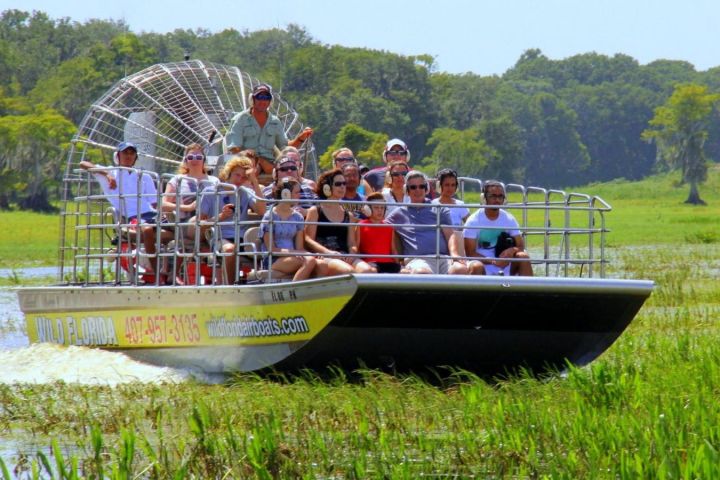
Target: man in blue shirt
x: 415, y: 226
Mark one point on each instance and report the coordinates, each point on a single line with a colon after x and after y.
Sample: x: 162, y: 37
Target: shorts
x: 146, y: 217
x: 386, y: 267
x: 435, y: 265
x: 225, y: 241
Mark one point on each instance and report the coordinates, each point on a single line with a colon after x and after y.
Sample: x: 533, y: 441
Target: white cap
x: 394, y: 142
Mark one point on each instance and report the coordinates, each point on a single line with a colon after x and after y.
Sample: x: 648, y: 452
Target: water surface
x: 48, y: 363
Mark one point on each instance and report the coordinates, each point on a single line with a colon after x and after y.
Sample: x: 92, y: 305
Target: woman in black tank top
x: 333, y: 237
x: 334, y: 240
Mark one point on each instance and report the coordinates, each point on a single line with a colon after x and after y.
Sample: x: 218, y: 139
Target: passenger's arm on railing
x: 85, y: 165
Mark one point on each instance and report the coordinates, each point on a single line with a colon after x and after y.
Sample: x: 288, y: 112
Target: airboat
x: 569, y: 312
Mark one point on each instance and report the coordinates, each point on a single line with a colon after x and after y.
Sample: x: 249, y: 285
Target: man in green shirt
x: 259, y: 130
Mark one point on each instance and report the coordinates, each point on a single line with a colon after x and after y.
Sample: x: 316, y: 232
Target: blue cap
x: 125, y: 145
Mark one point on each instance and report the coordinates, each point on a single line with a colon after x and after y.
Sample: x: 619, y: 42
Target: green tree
x: 70, y: 88
x: 610, y: 118
x: 33, y: 142
x: 679, y: 130
x: 555, y: 155
x: 462, y: 150
x: 506, y: 145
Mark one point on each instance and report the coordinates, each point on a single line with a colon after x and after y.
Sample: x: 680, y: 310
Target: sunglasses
x: 397, y: 152
x: 339, y: 184
x: 292, y: 168
x: 398, y: 174
x: 196, y: 156
x: 263, y: 97
x: 422, y: 186
x: 345, y: 159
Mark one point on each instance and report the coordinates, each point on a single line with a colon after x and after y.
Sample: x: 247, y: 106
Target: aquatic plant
x: 647, y: 408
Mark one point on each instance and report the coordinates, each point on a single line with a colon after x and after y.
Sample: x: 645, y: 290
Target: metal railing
x: 564, y: 232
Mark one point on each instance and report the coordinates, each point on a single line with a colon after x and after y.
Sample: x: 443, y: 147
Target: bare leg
x: 229, y: 262
x: 338, y: 267
x: 148, y: 235
x: 307, y: 268
x: 458, y: 268
x: 364, y: 267
x: 476, y: 267
x: 523, y: 269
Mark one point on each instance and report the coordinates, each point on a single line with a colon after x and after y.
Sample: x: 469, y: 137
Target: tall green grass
x: 647, y: 408
x: 28, y: 239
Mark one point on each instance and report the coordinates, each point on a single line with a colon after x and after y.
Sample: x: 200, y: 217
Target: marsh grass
x: 28, y: 239
x: 646, y: 409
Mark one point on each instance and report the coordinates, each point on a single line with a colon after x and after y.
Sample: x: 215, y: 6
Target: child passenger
x: 375, y: 237
x: 285, y: 239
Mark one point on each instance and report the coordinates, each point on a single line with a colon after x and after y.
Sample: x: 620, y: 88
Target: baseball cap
x: 395, y: 142
x: 125, y: 145
x: 284, y: 160
x: 261, y: 88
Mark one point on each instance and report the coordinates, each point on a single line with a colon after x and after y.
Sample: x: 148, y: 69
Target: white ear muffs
x: 116, y: 158
x: 438, y: 187
x: 366, y: 210
x: 286, y: 194
x: 327, y: 190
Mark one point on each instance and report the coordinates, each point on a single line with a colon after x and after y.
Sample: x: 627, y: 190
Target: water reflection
x: 35, y: 272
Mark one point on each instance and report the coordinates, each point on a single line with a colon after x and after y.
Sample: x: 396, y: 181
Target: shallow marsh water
x: 46, y: 363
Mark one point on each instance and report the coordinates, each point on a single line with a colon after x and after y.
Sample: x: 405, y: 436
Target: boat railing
x: 564, y: 232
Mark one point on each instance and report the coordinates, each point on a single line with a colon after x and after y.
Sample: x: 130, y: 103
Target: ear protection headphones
x: 116, y: 158
x: 366, y: 210
x: 327, y: 189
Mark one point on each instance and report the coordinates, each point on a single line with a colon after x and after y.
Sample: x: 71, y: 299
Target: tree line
x: 552, y: 123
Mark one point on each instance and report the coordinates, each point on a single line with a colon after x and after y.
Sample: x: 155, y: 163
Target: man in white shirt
x: 485, y: 228
x: 132, y: 193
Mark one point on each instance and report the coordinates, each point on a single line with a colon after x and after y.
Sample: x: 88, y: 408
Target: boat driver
x: 259, y: 130
x: 489, y: 226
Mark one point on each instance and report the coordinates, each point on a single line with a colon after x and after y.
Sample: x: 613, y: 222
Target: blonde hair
x: 183, y: 168
x: 388, y: 172
x: 241, y: 161
x: 341, y: 150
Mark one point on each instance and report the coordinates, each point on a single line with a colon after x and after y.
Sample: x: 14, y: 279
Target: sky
x: 478, y: 36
